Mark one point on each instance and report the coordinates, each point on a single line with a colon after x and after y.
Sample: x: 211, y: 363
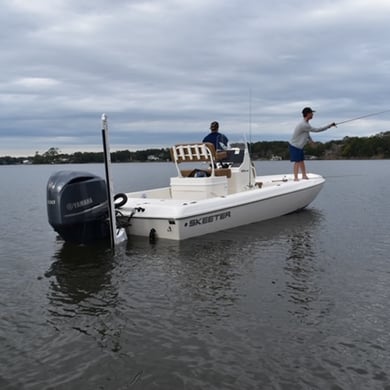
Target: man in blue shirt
x: 216, y: 138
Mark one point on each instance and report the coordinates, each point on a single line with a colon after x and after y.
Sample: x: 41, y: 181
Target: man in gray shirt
x: 300, y: 138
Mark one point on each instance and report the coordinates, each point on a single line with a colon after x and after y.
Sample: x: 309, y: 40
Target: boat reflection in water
x: 148, y: 308
x: 78, y: 275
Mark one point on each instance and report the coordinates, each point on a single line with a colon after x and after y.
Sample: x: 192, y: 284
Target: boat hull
x: 180, y: 220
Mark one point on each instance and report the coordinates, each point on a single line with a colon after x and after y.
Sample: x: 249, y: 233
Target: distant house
x: 152, y: 157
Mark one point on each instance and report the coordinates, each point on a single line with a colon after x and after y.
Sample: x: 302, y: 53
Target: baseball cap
x: 214, y: 125
x: 307, y: 110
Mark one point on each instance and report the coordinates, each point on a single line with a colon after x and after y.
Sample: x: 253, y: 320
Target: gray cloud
x: 162, y: 70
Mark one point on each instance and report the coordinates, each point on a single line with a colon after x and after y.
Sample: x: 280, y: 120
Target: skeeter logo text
x: 209, y: 219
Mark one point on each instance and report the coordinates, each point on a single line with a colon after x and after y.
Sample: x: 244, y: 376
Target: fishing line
x: 363, y: 116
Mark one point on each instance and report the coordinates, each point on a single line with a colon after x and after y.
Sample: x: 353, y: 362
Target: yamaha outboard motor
x: 77, y: 206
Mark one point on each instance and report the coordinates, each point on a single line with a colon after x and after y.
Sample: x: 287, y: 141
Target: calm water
x: 300, y: 302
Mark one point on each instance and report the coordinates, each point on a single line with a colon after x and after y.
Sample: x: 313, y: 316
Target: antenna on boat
x: 115, y: 237
x: 250, y: 121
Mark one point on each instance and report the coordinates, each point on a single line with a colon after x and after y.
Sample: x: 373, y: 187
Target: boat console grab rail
x: 194, y: 152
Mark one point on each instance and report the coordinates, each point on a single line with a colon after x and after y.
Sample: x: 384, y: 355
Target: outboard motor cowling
x: 77, y: 206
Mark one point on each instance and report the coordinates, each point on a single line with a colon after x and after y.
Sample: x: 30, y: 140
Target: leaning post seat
x: 198, y: 152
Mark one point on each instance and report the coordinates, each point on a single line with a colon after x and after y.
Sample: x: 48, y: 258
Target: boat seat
x: 199, y: 152
x: 219, y: 156
x: 217, y: 172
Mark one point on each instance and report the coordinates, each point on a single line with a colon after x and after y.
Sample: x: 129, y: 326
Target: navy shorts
x: 296, y: 154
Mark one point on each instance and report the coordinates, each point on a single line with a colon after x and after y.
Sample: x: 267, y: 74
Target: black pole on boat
x: 107, y: 166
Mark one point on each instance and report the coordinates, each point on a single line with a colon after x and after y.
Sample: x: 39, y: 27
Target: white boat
x: 211, y: 192
x: 221, y: 196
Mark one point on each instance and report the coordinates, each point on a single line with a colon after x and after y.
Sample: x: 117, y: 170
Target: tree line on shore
x: 373, y: 147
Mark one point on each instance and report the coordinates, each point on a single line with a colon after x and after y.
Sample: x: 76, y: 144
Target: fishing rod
x: 363, y: 116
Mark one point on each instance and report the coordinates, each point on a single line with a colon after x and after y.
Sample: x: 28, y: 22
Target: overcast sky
x: 162, y: 70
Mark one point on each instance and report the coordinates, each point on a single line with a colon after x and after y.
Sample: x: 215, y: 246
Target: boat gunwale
x: 221, y: 209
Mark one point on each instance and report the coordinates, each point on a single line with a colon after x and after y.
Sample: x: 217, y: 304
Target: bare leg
x: 303, y: 169
x: 296, y: 170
